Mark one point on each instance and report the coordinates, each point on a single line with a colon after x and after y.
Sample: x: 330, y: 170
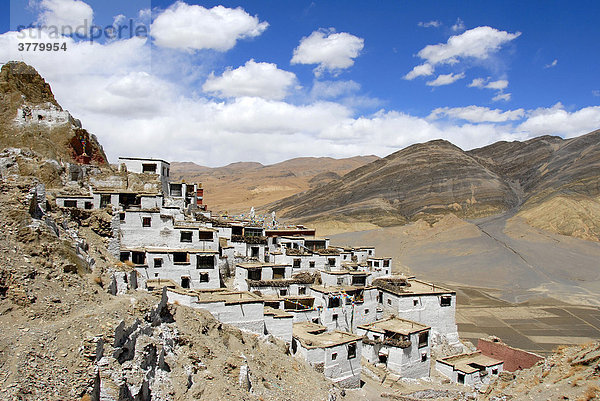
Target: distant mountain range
x: 551, y: 182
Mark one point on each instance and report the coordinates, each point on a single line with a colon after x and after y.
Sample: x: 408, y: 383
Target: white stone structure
x: 345, y: 307
x: 421, y: 302
x: 336, y: 354
x: 399, y: 344
x: 472, y: 369
x: 246, y: 272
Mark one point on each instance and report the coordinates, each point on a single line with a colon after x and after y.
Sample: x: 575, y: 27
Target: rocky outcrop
x: 30, y: 117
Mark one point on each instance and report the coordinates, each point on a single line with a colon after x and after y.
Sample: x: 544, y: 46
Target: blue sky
x: 218, y: 82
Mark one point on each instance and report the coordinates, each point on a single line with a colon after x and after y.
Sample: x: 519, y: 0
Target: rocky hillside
x: 239, y: 186
x: 30, y: 117
x: 431, y: 179
x: 69, y: 332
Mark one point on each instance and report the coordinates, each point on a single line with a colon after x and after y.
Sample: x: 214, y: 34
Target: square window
x: 138, y: 258
x: 297, y: 263
x: 302, y: 290
x: 334, y: 356
x: 366, y: 311
x: 494, y: 371
x: 389, y: 301
x: 255, y: 274
x: 331, y: 261
x: 205, y: 262
x: 186, y: 236
x: 181, y: 257
x: 423, y: 339
x: 204, y: 277
x: 283, y: 292
x: 104, y: 201
x: 124, y: 256
x: 89, y: 205
x: 205, y: 235
x: 158, y: 262
x: 146, y: 222
x: 185, y: 282
x: 415, y: 302
x: 445, y: 301
x: 311, y: 264
x: 352, y: 351
x: 334, y: 317
x: 122, y: 216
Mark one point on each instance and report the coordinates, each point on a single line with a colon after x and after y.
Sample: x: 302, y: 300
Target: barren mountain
x: 435, y: 178
x: 30, y: 117
x: 239, y: 186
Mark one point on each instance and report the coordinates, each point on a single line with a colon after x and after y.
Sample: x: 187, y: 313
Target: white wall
x: 175, y: 272
x: 349, y: 316
x: 280, y: 327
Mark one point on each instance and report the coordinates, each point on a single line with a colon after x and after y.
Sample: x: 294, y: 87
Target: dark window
x: 334, y: 356
x: 370, y: 252
x: 89, y: 205
x: 267, y: 257
x: 254, y: 274
x: 311, y: 264
x: 176, y: 190
x: 283, y: 292
x: 205, y: 235
x: 237, y: 230
x: 331, y: 261
x: 149, y: 168
x: 180, y: 257
x: 302, y: 290
x: 352, y: 351
x: 297, y: 263
x: 359, y: 280
x: 380, y: 297
x: 124, y: 256
x: 157, y: 262
x: 386, y: 263
x: 494, y: 371
x: 70, y: 203
x: 205, y: 262
x: 254, y: 251
x: 389, y: 301
x: 104, y: 201
x: 415, y: 302
x: 366, y: 311
x: 334, y: 317
x: 146, y: 221
x: 376, y: 264
x: 278, y: 272
x: 74, y: 175
x: 122, y: 216
x: 423, y: 339
x: 138, y: 258
x: 445, y: 301
x: 334, y: 302
x: 204, y: 277
x: 185, y: 282
x: 294, y: 346
x: 186, y: 236
x: 423, y: 357
x: 461, y: 378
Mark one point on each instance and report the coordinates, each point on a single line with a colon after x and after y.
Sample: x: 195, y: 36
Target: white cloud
x: 482, y: 83
x: 445, y: 79
x: 558, y: 121
x: 252, y: 79
x: 333, y: 89
x: 193, y: 27
x: 596, y: 92
x: 478, y: 43
x: 419, y: 71
x: 68, y: 16
x: 330, y: 50
x: 430, y: 24
x: 477, y: 114
x: 552, y: 64
x: 501, y: 96
x: 459, y: 25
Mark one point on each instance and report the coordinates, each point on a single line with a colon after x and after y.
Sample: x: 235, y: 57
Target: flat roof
x: 343, y: 272
x: 395, y: 325
x: 144, y: 159
x: 167, y: 250
x: 259, y: 265
x: 469, y: 362
x: 220, y: 295
x: 414, y: 287
x: 277, y: 313
x: 312, y: 335
x: 338, y: 288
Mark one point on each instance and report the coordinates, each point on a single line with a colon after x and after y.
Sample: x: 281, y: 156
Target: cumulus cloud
x: 330, y: 50
x: 502, y: 96
x: 558, y: 121
x: 430, y: 24
x: 459, y: 25
x: 552, y: 64
x: 446, y: 79
x: 478, y: 43
x: 477, y: 114
x: 193, y: 27
x: 66, y: 15
x: 419, y: 71
x: 252, y: 79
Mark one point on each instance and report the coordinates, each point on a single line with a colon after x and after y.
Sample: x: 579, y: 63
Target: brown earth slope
x: 237, y: 187
x: 30, y: 117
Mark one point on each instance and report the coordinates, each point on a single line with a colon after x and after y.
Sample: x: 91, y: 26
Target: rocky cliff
x: 30, y: 117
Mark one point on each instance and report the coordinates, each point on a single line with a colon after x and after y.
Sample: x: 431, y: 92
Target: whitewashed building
x: 472, y: 369
x: 345, y: 307
x: 336, y: 354
x: 399, y: 344
x: 419, y: 301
